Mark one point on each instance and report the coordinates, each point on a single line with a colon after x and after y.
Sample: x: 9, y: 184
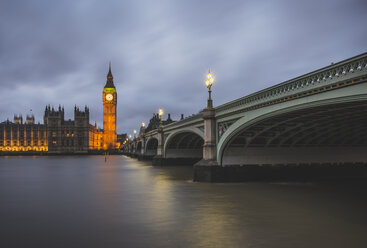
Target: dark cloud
x: 57, y: 52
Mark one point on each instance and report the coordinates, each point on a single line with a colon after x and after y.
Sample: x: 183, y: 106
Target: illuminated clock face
x: 109, y: 97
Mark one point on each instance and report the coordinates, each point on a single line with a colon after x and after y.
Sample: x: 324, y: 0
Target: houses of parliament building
x: 57, y: 135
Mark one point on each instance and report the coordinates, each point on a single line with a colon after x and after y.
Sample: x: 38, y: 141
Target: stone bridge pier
x: 158, y: 159
x: 209, y: 147
x: 207, y: 169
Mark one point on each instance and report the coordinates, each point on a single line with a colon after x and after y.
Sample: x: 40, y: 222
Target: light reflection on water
x: 87, y: 202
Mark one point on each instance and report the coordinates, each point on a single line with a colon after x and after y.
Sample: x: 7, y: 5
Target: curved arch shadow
x: 151, y: 147
x: 334, y: 133
x: 186, y: 146
x: 138, y: 148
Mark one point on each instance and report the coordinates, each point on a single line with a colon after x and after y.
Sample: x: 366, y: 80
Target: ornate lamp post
x: 157, y: 160
x: 202, y: 170
x: 134, y: 133
x: 142, y: 128
x: 209, y: 82
x: 160, y: 113
x: 142, y: 135
x: 130, y: 142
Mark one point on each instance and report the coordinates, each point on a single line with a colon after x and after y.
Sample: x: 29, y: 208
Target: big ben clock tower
x: 109, y: 113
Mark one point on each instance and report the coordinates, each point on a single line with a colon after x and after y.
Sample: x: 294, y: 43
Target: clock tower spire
x: 109, y: 99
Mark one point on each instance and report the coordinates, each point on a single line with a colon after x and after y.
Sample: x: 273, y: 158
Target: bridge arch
x: 319, y: 131
x: 138, y: 148
x: 151, y: 147
x: 132, y: 147
x: 185, y: 143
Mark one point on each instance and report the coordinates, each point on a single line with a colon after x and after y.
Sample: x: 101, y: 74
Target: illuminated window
x: 54, y: 142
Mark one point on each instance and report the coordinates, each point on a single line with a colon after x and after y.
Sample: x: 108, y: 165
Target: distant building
x: 109, y: 98
x: 57, y: 135
x: 154, y: 122
x: 71, y: 136
x: 121, y: 138
x: 16, y: 136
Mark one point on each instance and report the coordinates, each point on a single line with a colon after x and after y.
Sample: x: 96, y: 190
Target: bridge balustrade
x: 343, y: 70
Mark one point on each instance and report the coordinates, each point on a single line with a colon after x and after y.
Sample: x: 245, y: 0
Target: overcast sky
x: 57, y: 52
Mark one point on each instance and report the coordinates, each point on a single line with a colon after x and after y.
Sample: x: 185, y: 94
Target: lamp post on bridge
x: 160, y: 113
x: 204, y: 169
x: 142, y: 137
x: 209, y: 82
x: 129, y: 144
x: 158, y: 159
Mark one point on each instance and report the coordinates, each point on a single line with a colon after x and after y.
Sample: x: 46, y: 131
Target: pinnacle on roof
x: 109, y: 71
x: 109, y: 82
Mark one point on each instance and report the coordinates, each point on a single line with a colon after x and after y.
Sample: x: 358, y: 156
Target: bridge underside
x: 184, y: 148
x: 185, y: 145
x: 138, y: 148
x: 151, y: 147
x: 326, y: 134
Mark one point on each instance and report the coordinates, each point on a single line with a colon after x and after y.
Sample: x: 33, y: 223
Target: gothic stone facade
x: 56, y: 135
x: 71, y: 136
x: 16, y: 136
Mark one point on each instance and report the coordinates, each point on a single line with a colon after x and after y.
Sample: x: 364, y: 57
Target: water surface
x: 83, y: 201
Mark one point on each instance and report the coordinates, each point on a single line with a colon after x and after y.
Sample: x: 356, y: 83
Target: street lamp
x: 209, y: 82
x: 143, y: 124
x: 160, y: 113
x: 134, y: 133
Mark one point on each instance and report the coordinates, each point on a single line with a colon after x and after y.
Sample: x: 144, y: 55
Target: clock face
x: 109, y: 97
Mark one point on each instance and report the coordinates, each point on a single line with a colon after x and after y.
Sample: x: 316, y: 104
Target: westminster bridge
x: 317, y: 120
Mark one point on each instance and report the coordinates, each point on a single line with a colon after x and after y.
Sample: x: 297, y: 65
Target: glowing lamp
x: 209, y: 82
x: 160, y: 112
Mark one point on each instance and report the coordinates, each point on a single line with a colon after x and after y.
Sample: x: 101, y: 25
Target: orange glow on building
x: 95, y: 138
x: 109, y: 99
x: 19, y: 137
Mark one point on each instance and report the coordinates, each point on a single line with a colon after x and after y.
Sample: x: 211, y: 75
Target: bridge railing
x: 187, y: 121
x: 191, y: 119
x: 340, y: 71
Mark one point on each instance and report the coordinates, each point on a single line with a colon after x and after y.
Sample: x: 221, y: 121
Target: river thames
x: 85, y: 201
